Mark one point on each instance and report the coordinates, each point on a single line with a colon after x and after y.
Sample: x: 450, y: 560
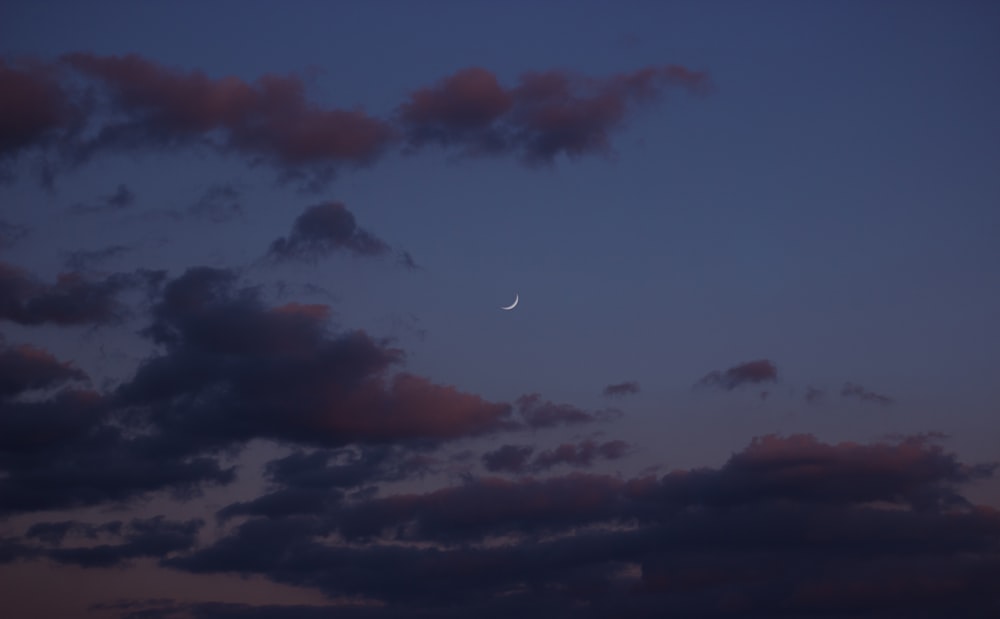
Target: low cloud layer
x: 881, y: 525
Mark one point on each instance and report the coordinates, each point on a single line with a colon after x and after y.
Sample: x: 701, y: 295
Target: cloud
x: 72, y: 300
x: 25, y: 368
x: 234, y: 369
x: 153, y: 537
x: 325, y: 228
x: 517, y: 458
x: 750, y: 372
x: 580, y: 454
x: 621, y: 389
x: 877, y: 524
x: 55, y: 533
x: 538, y: 413
x: 406, y: 260
x: 34, y: 106
x: 313, y: 483
x: 850, y: 390
x: 85, y: 104
x: 67, y: 451
x: 270, y: 118
x: 546, y: 114
x: 508, y: 458
x: 882, y: 526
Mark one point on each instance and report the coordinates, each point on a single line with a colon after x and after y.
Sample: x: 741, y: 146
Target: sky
x: 253, y: 361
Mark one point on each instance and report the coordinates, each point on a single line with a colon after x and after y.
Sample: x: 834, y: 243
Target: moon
x: 512, y: 305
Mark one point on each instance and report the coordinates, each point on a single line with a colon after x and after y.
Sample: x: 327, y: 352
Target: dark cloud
x: 517, y: 458
x: 539, y: 413
x: 544, y: 115
x: 508, y: 458
x: 72, y: 300
x: 234, y: 370
x: 67, y: 448
x: 284, y: 503
x: 750, y: 372
x: 67, y: 451
x: 270, y: 118
x: 580, y: 454
x: 154, y: 537
x: 168, y: 609
x: 54, y: 533
x: 322, y: 229
x: 83, y: 259
x: 406, y: 260
x: 313, y: 483
x: 33, y: 108
x: 851, y: 390
x: 881, y: 528
x: 621, y: 389
x: 12, y: 549
x: 24, y: 368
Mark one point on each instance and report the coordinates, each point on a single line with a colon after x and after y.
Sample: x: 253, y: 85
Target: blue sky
x: 829, y: 205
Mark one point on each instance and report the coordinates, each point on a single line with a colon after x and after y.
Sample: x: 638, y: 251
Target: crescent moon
x: 512, y: 305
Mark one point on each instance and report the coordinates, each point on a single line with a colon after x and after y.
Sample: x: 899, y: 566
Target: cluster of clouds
x: 230, y: 369
x: 526, y: 529
x: 764, y: 371
x: 787, y: 526
x: 83, y: 104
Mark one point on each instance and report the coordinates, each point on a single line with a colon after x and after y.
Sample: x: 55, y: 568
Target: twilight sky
x: 253, y: 365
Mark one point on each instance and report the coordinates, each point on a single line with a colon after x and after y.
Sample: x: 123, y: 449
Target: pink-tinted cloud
x: 24, y: 368
x: 465, y: 104
x: 269, y: 118
x: 33, y: 105
x: 544, y: 115
x: 72, y: 300
x: 710, y: 541
x: 140, y: 103
x: 750, y: 372
x: 234, y: 370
